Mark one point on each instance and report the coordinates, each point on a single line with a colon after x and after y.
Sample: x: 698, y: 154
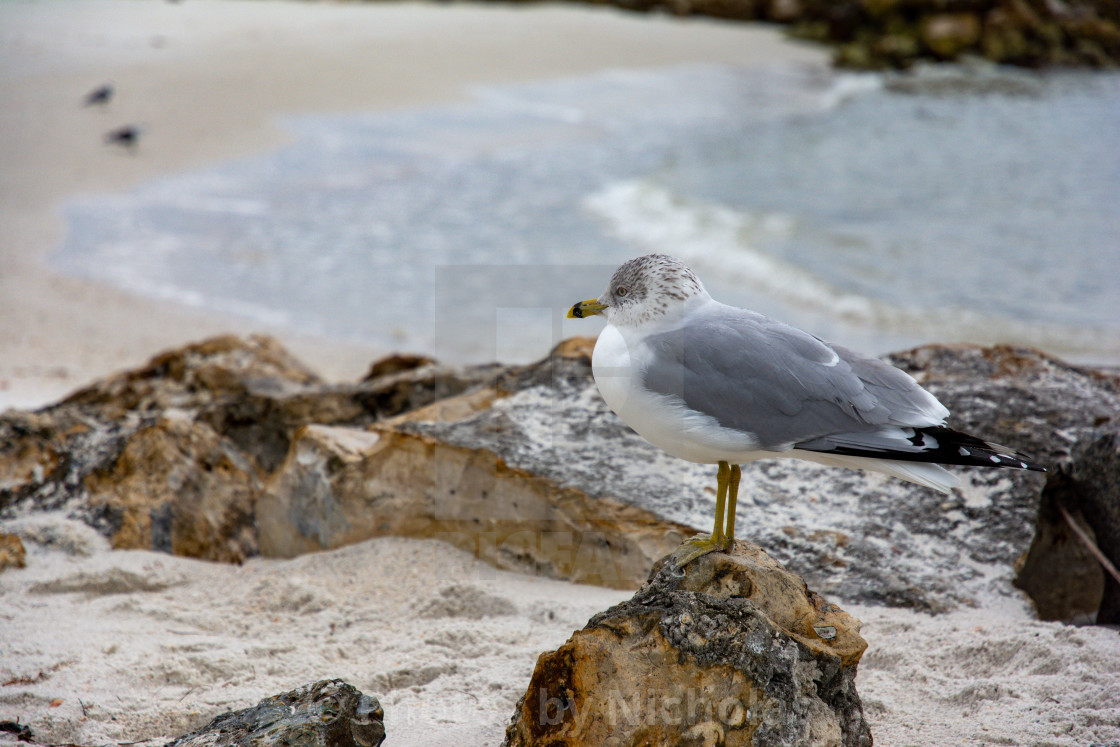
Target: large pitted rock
x: 171, y: 456
x: 862, y: 537
x: 343, y: 485
x: 733, y: 650
x: 329, y: 713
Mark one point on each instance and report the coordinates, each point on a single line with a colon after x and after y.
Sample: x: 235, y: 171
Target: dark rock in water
x: 1063, y: 578
x: 329, y: 713
x: 733, y: 649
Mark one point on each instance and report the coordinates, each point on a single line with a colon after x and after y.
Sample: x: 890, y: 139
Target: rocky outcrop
x: 329, y: 713
x: 234, y: 450
x: 1060, y: 573
x: 859, y: 537
x: 172, y: 456
x: 732, y: 650
x: 408, y: 476
x: 896, y: 33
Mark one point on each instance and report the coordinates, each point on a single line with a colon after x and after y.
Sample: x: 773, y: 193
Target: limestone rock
x: 163, y: 483
x: 342, y: 485
x: 733, y: 650
x: 329, y: 713
x: 179, y: 487
x: 170, y: 456
x: 861, y: 537
x: 242, y: 451
x: 193, y: 377
x: 404, y: 478
x: 12, y: 554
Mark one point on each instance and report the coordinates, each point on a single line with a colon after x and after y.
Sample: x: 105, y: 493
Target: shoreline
x: 210, y: 80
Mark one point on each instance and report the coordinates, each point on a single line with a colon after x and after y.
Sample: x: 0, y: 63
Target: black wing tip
x: 953, y: 448
x: 977, y: 452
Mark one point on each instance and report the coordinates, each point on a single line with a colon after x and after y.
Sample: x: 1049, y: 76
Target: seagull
x: 99, y: 95
x: 716, y: 384
x: 125, y: 135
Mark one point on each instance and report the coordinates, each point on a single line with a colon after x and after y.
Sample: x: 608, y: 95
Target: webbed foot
x: 698, y: 546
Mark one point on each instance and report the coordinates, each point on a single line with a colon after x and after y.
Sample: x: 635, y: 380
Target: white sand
x: 150, y: 645
x: 140, y: 645
x: 209, y: 78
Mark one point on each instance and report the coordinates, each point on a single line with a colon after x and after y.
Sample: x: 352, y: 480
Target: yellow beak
x: 590, y: 307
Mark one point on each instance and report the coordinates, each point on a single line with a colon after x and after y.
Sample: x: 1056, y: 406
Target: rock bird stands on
x: 715, y: 384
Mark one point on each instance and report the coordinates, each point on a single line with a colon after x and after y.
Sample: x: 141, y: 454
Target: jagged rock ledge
x: 230, y: 448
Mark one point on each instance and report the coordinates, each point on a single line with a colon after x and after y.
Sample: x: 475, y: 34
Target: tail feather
x: 923, y: 473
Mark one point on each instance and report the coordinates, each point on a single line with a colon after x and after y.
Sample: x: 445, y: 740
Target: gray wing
x: 758, y: 375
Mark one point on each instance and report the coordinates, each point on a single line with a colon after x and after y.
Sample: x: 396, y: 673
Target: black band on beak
x: 576, y: 311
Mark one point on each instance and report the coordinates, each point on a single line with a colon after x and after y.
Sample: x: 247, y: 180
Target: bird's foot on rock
x: 698, y: 546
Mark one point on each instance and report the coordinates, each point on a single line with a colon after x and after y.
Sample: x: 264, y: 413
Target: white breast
x: 668, y: 425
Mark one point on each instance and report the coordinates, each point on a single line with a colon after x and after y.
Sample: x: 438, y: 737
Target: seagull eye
x: 620, y: 292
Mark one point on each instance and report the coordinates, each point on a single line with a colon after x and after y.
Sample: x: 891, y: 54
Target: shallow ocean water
x: 880, y: 212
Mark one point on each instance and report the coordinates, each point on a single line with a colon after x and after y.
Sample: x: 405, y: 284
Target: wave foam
x: 716, y: 240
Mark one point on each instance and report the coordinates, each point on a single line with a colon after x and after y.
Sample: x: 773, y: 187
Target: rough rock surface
x: 862, y: 537
x: 12, y: 554
x: 732, y: 650
x: 329, y: 713
x: 171, y: 456
x: 893, y: 33
x: 342, y: 485
x: 227, y: 448
x: 1065, y: 581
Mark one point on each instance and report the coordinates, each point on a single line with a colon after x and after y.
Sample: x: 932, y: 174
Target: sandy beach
x: 208, y: 80
x: 101, y: 646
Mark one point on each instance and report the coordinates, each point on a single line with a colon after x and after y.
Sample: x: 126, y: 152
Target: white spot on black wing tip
x: 964, y: 452
x: 1023, y: 465
x: 994, y: 459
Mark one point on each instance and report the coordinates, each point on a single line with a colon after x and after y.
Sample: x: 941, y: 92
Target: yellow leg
x: 696, y: 547
x: 732, y: 497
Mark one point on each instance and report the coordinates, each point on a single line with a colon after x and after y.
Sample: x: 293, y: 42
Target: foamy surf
x: 718, y: 241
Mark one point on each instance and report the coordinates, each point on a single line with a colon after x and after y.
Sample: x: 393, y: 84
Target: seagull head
x: 644, y: 289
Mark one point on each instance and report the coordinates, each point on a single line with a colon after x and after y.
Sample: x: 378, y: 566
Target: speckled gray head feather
x: 647, y: 287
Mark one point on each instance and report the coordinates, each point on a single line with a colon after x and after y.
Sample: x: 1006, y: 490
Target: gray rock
x: 1063, y: 579
x: 865, y: 538
x: 329, y: 713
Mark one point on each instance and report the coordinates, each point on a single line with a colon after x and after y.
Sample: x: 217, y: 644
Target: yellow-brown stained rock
x: 179, y: 487
x: 342, y: 485
x: 12, y: 554
x: 733, y: 650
